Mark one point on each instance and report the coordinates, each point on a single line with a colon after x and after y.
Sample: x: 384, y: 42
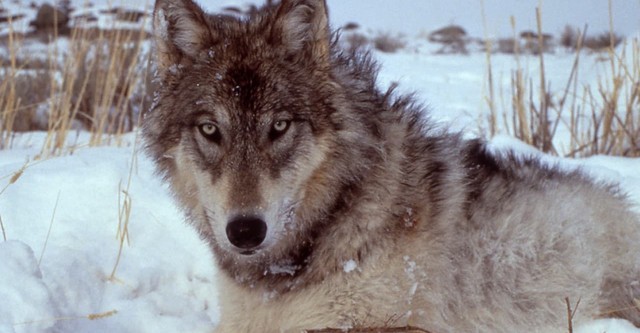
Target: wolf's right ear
x: 180, y: 30
x: 303, y: 27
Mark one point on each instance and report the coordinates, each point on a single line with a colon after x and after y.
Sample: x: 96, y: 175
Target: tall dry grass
x: 600, y: 119
x: 98, y: 82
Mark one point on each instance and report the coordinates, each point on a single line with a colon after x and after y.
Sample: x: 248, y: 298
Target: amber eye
x: 279, y: 128
x: 210, y: 131
x: 281, y: 125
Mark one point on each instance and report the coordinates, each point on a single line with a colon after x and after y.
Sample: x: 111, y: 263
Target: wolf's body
x: 328, y: 203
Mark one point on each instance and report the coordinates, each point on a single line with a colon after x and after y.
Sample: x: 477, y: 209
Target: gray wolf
x: 329, y: 203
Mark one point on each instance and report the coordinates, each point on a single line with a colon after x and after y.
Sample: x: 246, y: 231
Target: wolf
x: 330, y: 203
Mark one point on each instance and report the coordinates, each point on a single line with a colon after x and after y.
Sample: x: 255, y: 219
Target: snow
x: 165, y: 271
x: 19, y: 272
x: 608, y: 326
x: 57, y: 264
x: 349, y: 266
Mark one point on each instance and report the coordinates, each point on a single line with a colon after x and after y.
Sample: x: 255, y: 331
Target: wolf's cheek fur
x: 184, y: 182
x: 287, y: 196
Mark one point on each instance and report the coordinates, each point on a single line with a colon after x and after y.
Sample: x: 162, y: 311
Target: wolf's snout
x: 246, y: 232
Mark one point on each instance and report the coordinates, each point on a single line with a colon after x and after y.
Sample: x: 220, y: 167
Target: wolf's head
x: 260, y: 126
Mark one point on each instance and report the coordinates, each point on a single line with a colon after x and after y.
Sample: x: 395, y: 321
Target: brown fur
x: 371, y: 213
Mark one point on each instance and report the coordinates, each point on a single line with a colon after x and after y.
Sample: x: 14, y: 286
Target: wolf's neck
x: 370, y: 214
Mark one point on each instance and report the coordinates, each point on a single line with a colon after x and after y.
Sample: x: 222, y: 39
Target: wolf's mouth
x: 248, y: 252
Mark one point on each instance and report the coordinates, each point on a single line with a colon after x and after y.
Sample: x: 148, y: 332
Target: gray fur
x: 374, y: 216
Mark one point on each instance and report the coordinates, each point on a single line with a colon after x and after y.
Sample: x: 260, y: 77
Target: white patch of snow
x: 410, y: 268
x: 268, y: 296
x: 175, y: 68
x: 413, y: 289
x: 349, y: 266
x: 409, y: 222
x: 25, y: 295
x: 608, y: 326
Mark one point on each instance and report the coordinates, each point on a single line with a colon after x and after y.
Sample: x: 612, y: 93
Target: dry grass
x: 124, y: 212
x: 604, y: 119
x: 91, y: 316
x: 98, y: 83
x: 611, y: 110
x: 4, y: 232
x: 46, y: 240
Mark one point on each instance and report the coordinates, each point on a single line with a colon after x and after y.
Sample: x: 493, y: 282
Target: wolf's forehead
x: 247, y: 85
x: 247, y: 76
x: 239, y: 89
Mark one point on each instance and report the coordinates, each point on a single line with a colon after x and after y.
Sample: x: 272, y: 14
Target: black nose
x: 246, y: 232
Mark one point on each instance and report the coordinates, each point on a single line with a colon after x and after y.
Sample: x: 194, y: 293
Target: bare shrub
x: 355, y: 40
x: 598, y: 43
x: 350, y: 26
x: 508, y: 45
x: 569, y: 37
x: 448, y: 34
x: 387, y: 43
x: 603, y: 41
x: 534, y: 43
x: 453, y: 39
x: 51, y: 20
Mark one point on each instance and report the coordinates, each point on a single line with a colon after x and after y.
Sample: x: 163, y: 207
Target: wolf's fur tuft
x: 350, y: 207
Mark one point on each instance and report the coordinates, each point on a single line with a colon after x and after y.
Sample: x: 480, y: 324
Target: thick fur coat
x: 328, y: 203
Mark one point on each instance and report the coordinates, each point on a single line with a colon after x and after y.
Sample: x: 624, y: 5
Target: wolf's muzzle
x: 246, y: 232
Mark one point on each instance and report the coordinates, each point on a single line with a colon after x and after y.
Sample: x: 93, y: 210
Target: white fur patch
x: 161, y: 25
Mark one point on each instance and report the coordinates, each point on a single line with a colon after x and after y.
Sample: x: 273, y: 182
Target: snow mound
x: 23, y: 292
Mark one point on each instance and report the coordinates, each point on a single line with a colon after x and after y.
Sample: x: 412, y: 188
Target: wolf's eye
x: 279, y: 128
x: 210, y: 131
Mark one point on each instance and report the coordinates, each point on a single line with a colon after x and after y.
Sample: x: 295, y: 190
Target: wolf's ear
x: 180, y: 29
x: 303, y: 27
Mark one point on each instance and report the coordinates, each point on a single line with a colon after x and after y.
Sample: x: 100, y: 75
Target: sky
x: 414, y: 16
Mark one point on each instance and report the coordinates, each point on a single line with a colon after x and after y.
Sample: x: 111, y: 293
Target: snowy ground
x: 60, y: 216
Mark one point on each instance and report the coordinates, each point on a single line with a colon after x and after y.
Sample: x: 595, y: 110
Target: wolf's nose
x: 246, y: 232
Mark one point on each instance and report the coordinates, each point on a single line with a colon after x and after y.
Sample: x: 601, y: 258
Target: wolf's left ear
x: 303, y: 27
x: 180, y: 29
